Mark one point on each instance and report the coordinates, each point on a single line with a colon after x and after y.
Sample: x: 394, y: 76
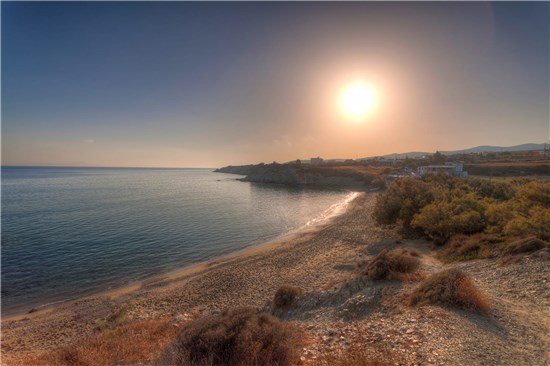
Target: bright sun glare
x: 358, y: 100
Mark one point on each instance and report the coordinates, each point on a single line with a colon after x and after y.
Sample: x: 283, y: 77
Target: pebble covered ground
x: 339, y: 310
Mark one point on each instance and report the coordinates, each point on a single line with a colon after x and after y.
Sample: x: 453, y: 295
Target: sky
x: 177, y: 84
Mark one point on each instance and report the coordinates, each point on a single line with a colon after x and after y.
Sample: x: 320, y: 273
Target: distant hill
x: 477, y: 149
x: 410, y: 154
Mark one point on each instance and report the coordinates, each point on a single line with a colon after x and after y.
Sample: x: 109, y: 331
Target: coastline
x: 323, y: 263
x: 311, y: 227
x: 308, y: 259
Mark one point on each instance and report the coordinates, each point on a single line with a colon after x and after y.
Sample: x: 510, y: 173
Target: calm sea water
x: 67, y: 232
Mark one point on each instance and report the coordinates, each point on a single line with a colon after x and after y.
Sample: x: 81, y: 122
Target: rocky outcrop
x: 298, y: 174
x: 236, y: 169
x: 277, y: 173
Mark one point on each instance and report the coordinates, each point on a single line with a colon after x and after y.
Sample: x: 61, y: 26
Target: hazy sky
x: 211, y: 84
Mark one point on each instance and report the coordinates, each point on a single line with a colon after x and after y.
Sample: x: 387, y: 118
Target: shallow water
x: 68, y: 232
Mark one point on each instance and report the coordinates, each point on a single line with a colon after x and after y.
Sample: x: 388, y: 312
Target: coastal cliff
x: 236, y: 169
x: 358, y: 177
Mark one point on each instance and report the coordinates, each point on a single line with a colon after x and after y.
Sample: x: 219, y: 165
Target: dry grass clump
x: 139, y: 342
x: 526, y: 245
x: 413, y: 252
x: 285, y: 296
x: 116, y: 319
x: 240, y: 336
x: 450, y: 287
x: 466, y: 247
x: 392, y: 264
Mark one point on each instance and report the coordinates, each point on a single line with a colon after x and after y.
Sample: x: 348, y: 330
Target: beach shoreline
x: 316, y: 224
x: 248, y: 277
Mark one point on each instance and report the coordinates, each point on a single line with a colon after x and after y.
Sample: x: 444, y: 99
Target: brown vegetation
x: 465, y: 247
x: 285, y: 296
x: 526, y: 245
x: 116, y: 319
x: 240, y: 336
x: 509, y: 169
x: 450, y: 287
x: 392, y: 265
x: 139, y: 342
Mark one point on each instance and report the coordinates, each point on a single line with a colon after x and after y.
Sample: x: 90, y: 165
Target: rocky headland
x: 325, y: 175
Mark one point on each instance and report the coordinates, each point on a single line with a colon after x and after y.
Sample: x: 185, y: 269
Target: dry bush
x: 116, y: 319
x: 511, y: 259
x: 392, y: 264
x: 285, y: 296
x: 139, y: 342
x: 240, y: 336
x: 450, y: 287
x: 414, y: 252
x: 466, y: 247
x: 527, y: 245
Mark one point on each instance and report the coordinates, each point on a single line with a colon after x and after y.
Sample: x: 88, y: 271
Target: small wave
x: 334, y: 210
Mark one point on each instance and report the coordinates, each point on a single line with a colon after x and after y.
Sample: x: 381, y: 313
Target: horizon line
x: 98, y: 166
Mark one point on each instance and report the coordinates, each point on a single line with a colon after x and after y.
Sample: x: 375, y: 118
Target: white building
x: 452, y: 169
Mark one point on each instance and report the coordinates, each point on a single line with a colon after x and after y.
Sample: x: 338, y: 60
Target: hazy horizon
x: 116, y: 84
x: 245, y: 163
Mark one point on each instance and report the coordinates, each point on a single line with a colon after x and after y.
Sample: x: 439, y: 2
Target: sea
x: 71, y: 232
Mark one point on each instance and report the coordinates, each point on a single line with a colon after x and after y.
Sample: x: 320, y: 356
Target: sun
x: 358, y: 100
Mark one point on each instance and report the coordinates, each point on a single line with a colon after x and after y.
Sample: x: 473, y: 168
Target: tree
x: 439, y: 158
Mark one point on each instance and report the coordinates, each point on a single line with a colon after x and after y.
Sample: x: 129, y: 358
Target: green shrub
x: 442, y: 219
x: 440, y: 207
x: 401, y: 201
x: 239, y: 336
x: 536, y: 193
x: 498, y: 190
